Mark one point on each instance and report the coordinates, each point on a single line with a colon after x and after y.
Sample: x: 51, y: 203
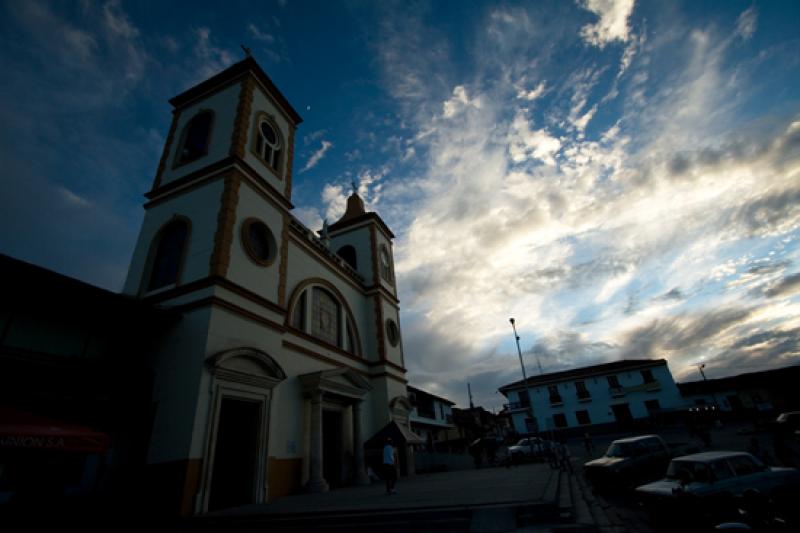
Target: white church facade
x: 288, y: 356
x: 279, y: 367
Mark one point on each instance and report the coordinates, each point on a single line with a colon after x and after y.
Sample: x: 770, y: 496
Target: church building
x: 281, y: 367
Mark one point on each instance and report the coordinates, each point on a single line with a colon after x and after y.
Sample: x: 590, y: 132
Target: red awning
x: 19, y: 430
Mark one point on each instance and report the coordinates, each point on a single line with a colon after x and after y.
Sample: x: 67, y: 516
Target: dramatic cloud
x: 317, y: 156
x: 613, y: 23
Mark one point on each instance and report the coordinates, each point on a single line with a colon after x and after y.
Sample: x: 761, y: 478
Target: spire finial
x: 247, y: 51
x: 353, y: 184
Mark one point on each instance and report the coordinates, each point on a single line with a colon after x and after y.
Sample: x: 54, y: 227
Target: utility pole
x: 700, y: 367
x: 524, y: 376
x: 469, y: 391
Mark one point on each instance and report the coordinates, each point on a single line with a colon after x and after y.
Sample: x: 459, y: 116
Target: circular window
x: 259, y: 241
x: 392, y: 333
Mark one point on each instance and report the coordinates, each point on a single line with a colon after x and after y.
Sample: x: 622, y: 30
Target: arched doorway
x: 235, y: 463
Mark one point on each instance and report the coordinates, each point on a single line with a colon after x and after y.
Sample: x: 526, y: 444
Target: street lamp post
x: 522, y: 365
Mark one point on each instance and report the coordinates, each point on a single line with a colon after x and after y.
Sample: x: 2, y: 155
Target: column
x: 316, y: 483
x: 358, y: 446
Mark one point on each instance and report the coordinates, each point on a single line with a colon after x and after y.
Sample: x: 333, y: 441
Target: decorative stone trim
x: 244, y: 236
x: 305, y: 351
x: 289, y: 160
x: 282, y: 276
x: 167, y: 145
x: 263, y: 115
x: 379, y: 328
x: 305, y: 284
x: 223, y: 239
x: 240, y: 123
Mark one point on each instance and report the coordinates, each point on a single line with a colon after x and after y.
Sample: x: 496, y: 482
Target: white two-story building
x: 431, y: 416
x: 617, y: 392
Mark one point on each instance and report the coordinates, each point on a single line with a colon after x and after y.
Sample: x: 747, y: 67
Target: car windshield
x: 619, y: 449
x: 688, y: 471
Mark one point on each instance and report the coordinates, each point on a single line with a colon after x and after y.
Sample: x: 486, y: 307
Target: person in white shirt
x: 389, y: 466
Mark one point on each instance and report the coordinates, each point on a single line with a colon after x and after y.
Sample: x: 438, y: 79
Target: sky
x: 622, y: 177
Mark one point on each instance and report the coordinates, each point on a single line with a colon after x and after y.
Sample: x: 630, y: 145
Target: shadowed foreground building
x: 265, y: 355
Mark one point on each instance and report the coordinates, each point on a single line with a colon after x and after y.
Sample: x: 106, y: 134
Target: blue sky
x: 621, y: 177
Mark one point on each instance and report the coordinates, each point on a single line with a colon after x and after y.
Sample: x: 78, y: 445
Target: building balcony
x: 617, y: 392
x: 650, y: 386
x: 586, y: 397
x: 517, y: 406
x: 556, y: 401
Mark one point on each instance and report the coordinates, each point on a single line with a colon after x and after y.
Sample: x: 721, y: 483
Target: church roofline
x: 236, y: 70
x: 370, y: 216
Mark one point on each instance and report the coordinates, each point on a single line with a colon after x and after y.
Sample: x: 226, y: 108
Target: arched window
x: 320, y: 313
x: 170, y: 245
x: 196, y: 138
x: 385, y: 263
x: 268, y: 145
x: 348, y: 253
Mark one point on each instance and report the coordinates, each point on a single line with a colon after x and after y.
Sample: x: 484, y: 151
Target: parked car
x: 629, y: 461
x: 529, y: 448
x: 707, y: 482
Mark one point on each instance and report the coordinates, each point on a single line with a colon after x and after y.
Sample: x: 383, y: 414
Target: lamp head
x: 511, y: 320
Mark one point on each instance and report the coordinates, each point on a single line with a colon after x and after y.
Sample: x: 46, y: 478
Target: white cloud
x: 526, y: 143
x: 259, y: 35
x: 213, y: 58
x: 533, y: 94
x: 747, y: 22
x: 317, y: 156
x: 613, y: 23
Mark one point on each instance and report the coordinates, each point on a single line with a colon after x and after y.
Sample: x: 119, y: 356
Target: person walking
x: 390, y: 466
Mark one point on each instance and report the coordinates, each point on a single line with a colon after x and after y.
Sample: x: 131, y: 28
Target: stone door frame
x: 243, y: 374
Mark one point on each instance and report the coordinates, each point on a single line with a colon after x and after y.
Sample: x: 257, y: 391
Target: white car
x: 529, y: 448
x: 719, y: 476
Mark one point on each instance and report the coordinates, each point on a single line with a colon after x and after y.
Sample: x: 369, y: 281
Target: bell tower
x: 218, y: 211
x: 364, y: 240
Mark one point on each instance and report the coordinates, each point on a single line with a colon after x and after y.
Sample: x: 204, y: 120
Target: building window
x: 392, y: 332
x: 613, y: 382
x: 583, y: 418
x: 318, y: 312
x: 258, y: 241
x: 559, y: 420
x: 582, y: 392
x: 170, y: 246
x: 652, y: 406
x: 524, y: 400
x: 268, y: 145
x: 195, y: 139
x: 647, y: 376
x: 299, y: 313
x: 385, y: 264
x: 348, y: 253
x: 531, y: 426
x: 555, y: 396
x: 425, y: 407
x: 325, y: 316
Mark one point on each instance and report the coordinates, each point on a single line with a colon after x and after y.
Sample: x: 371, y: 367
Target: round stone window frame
x: 248, y: 247
x: 392, y: 332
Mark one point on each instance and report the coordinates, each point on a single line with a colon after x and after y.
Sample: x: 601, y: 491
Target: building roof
x: 420, y: 391
x: 779, y: 378
x: 25, y: 285
x: 233, y: 72
x: 356, y: 214
x: 585, y: 372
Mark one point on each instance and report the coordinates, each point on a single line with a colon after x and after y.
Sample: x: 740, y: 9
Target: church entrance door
x: 332, y: 448
x: 236, y: 454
